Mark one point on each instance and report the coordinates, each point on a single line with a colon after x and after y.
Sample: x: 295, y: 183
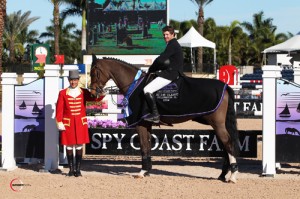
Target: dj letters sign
x: 201, y: 143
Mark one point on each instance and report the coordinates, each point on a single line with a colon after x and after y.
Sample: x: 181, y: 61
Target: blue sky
x: 285, y: 14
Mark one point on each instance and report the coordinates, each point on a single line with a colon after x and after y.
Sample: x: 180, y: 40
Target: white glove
x: 61, y: 126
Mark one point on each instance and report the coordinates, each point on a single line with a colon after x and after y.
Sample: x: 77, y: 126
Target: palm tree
x: 15, y: 23
x: 68, y: 40
x: 29, y: 37
x: 77, y: 8
x: 261, y: 33
x: 232, y: 31
x: 2, y: 19
x: 200, y: 21
x: 56, y: 4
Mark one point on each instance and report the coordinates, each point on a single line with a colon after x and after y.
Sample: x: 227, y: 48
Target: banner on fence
x: 200, y: 143
x: 248, y: 108
x: 287, y: 121
x: 29, y: 119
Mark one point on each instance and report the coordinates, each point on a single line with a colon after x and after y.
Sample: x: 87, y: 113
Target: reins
x: 132, y: 85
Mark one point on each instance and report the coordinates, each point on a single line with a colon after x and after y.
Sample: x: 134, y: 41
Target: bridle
x: 112, y: 89
x: 98, y: 89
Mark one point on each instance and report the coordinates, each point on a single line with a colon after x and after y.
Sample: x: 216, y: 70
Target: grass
x: 153, y: 45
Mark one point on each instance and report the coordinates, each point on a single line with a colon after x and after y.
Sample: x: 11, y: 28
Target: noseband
x: 98, y: 89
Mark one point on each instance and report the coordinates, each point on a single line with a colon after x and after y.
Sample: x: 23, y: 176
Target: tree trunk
x: 83, y: 31
x: 229, y: 52
x: 12, y: 52
x: 200, y: 22
x: 2, y: 20
x: 56, y: 27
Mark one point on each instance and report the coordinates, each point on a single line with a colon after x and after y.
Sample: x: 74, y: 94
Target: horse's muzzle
x: 96, y: 92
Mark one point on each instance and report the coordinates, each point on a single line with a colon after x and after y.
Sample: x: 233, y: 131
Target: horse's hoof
x: 138, y: 176
x: 234, y: 181
x: 222, y: 178
x: 141, y: 175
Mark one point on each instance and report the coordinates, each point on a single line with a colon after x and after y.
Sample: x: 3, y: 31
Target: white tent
x: 291, y: 44
x: 193, y: 39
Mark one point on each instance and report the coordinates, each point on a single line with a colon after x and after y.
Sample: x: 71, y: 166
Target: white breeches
x: 77, y: 147
x: 156, y: 84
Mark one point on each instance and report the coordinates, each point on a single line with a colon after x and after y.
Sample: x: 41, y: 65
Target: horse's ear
x: 94, y: 58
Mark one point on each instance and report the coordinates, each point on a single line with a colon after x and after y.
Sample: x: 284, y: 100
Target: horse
x: 222, y: 120
x: 29, y: 128
x: 293, y: 131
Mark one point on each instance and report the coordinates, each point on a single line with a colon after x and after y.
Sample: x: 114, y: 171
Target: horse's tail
x: 231, y: 122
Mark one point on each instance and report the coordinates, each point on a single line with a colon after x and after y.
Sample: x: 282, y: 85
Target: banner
x: 197, y: 143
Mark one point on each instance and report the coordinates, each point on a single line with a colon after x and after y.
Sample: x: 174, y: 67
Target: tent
x: 110, y: 7
x: 291, y: 44
x: 193, y: 39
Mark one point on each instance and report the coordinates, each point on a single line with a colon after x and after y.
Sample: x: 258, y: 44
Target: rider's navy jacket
x: 173, y: 52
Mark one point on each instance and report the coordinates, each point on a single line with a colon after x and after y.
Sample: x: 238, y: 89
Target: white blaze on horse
x: 218, y: 108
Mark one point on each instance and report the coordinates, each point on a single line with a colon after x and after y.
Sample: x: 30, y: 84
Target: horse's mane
x: 122, y: 61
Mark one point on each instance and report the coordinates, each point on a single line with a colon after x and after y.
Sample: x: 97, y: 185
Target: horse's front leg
x: 225, y: 167
x: 144, y: 132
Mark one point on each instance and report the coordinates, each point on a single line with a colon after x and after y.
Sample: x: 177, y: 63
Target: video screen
x: 126, y: 27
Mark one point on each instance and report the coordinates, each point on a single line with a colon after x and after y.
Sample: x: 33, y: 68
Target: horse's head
x: 99, y: 77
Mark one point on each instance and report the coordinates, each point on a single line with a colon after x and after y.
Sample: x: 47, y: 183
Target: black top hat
x: 73, y: 74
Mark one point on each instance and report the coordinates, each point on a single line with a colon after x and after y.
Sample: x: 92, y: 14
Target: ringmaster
x: 72, y: 121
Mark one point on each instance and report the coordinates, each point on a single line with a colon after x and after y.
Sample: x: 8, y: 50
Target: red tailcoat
x: 72, y: 113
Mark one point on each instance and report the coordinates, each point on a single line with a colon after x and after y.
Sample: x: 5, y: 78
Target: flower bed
x: 95, y: 107
x: 96, y: 123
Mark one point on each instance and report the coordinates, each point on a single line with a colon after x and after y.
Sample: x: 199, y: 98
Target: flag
x: 59, y: 59
x: 40, y: 59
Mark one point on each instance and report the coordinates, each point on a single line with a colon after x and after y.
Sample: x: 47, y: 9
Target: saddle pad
x: 185, y: 96
x: 190, y: 96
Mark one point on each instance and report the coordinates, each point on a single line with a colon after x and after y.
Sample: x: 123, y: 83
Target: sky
x: 285, y: 14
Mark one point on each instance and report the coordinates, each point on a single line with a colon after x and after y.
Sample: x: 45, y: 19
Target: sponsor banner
x: 200, y: 143
x: 248, y: 108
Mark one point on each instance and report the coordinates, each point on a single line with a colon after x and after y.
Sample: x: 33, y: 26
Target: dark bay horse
x: 222, y: 120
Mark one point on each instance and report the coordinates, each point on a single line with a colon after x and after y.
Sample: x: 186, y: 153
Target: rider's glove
x: 61, y: 126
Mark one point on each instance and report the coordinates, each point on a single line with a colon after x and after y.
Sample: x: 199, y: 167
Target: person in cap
x: 72, y: 121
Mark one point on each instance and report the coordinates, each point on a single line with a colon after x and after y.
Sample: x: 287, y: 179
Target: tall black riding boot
x: 78, y: 159
x: 70, y: 162
x: 154, y: 116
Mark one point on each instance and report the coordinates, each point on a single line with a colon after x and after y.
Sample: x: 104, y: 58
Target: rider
x: 167, y: 67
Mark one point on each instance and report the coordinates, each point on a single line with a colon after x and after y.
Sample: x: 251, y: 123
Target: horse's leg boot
x: 71, y: 164
x: 154, y: 117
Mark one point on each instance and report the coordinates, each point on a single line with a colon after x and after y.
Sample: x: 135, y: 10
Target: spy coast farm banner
x: 126, y: 27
